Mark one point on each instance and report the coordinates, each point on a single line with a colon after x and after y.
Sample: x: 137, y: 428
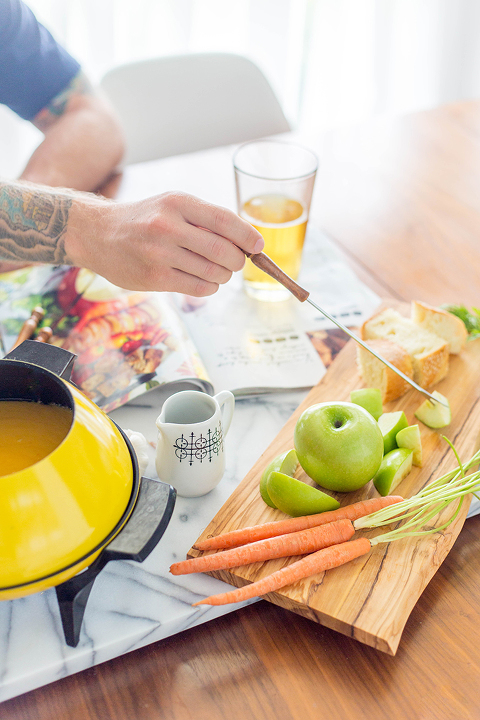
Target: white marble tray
x: 133, y: 604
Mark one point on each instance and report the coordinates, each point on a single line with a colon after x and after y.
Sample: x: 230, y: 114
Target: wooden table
x: 402, y: 198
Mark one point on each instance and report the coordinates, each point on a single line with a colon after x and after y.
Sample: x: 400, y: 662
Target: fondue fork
x: 263, y: 262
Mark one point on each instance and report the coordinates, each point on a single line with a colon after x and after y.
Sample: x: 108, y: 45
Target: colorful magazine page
x: 126, y: 343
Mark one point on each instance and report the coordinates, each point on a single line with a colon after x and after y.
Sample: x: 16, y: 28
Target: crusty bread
x: 442, y: 323
x: 428, y: 352
x: 377, y: 375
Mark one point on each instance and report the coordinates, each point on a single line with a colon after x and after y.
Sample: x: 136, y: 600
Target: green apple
x: 339, y: 445
x: 285, y: 463
x: 295, y: 497
x: 410, y: 438
x: 390, y: 424
x: 394, y: 468
x: 370, y: 399
x: 435, y: 415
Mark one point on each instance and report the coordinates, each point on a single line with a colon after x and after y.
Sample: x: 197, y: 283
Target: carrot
x: 246, y: 535
x: 310, y: 565
x: 299, y: 543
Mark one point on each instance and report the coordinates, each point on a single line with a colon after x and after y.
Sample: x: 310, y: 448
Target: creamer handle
x: 226, y: 403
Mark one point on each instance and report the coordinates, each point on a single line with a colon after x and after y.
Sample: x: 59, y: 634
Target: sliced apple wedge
x: 370, y: 399
x: 410, y: 438
x: 295, y: 497
x: 285, y: 463
x: 394, y: 467
x: 390, y: 424
x: 435, y: 415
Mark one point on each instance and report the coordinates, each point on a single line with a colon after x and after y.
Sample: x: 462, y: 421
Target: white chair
x: 174, y: 105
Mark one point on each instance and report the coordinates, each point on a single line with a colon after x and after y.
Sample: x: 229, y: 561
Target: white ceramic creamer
x: 191, y: 431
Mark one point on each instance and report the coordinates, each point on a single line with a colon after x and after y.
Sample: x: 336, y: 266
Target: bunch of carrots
x: 324, y: 539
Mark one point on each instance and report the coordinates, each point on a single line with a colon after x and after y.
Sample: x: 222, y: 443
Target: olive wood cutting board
x: 371, y: 597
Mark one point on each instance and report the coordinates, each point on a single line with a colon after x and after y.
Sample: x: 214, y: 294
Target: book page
x: 249, y: 351
x: 249, y: 346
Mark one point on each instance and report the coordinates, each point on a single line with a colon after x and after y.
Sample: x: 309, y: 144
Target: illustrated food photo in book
x: 127, y: 343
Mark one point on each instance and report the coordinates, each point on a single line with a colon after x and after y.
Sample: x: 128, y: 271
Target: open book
x: 130, y: 342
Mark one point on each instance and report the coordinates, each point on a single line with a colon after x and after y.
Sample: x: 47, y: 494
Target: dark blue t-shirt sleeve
x: 33, y: 67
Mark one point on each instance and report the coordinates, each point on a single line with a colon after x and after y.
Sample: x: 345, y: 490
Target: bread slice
x: 428, y: 352
x: 377, y: 375
x: 442, y: 323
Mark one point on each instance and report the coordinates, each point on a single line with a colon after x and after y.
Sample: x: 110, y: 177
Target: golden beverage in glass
x: 274, y: 187
x: 282, y: 222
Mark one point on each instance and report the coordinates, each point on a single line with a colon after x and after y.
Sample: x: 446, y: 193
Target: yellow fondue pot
x: 57, y: 515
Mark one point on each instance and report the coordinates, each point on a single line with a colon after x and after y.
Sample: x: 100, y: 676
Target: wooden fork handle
x: 266, y: 264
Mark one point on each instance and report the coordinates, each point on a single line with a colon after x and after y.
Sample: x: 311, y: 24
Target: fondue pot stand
x: 65, y: 517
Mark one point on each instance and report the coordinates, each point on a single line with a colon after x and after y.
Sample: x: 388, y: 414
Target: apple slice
x: 410, y: 438
x: 285, y: 463
x: 390, y: 424
x: 370, y: 399
x: 435, y: 415
x: 295, y: 497
x: 394, y: 467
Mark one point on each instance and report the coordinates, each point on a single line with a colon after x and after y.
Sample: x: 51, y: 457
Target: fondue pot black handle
x: 50, y: 357
x: 146, y: 524
x: 142, y: 532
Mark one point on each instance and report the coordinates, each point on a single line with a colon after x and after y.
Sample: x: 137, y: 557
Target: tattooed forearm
x: 80, y: 85
x: 33, y: 223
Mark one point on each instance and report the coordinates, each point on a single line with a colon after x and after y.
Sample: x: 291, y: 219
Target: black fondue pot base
x: 142, y: 532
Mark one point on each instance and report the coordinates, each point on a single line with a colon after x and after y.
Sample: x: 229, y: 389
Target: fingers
x: 182, y: 282
x: 201, y: 267
x: 213, y: 248
x: 223, y: 222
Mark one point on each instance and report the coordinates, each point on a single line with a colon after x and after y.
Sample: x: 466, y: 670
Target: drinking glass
x: 274, y: 183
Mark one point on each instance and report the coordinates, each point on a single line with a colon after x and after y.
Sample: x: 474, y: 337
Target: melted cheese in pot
x: 30, y: 431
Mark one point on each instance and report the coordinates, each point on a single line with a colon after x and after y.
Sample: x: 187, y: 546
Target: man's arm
x: 172, y: 242
x: 82, y: 147
x: 83, y: 140
x: 33, y: 223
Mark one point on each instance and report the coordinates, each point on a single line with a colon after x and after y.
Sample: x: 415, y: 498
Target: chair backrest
x: 174, y: 105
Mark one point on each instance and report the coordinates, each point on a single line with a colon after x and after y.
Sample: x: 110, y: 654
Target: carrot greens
x: 416, y: 512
